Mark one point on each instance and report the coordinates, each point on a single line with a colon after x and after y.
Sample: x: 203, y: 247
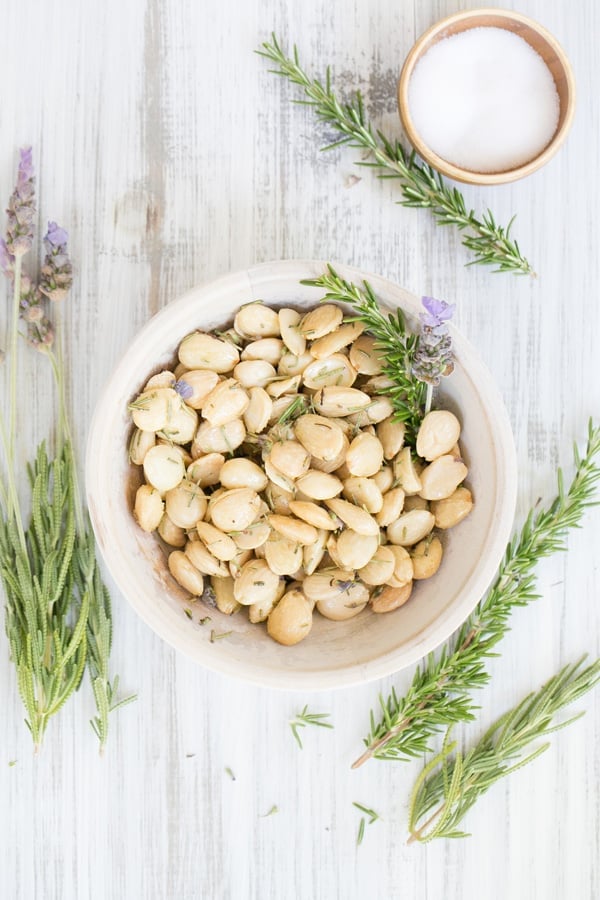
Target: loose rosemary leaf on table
x: 396, y: 343
x: 421, y: 186
x: 451, y: 784
x: 440, y: 693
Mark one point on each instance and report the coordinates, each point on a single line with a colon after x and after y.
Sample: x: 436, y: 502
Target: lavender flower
x: 433, y: 357
x: 40, y: 333
x: 21, y: 210
x: 184, y: 389
x: 57, y: 272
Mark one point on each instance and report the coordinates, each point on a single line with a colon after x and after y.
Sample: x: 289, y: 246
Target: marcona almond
x: 426, y: 557
x: 255, y: 320
x: 410, y: 527
x: 186, y: 574
x: 203, y: 351
x: 453, y: 509
x: 441, y: 477
x: 438, y: 433
x: 391, y: 598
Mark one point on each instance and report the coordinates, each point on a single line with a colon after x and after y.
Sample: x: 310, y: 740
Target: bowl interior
x: 540, y: 40
x: 335, y: 653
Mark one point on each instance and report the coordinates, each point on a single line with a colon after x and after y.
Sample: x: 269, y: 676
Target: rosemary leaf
x: 421, y: 186
x: 451, y: 784
x: 440, y: 693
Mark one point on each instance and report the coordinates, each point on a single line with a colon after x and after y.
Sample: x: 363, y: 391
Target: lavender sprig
x: 433, y: 357
x: 58, y: 617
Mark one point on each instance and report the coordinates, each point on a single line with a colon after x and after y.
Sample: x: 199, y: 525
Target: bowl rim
x: 359, y: 673
x: 459, y: 173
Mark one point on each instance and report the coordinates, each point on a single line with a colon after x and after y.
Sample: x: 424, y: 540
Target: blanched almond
x: 391, y: 598
x: 203, y: 351
x: 149, y: 507
x: 320, y: 321
x: 340, y: 401
x: 315, y: 515
x: 438, y: 433
x: 293, y: 529
x: 289, y: 324
x: 365, y: 357
x: 353, y: 516
x: 411, y: 527
x: 441, y: 477
x: 336, y: 340
x: 453, y: 509
x: 185, y: 573
x: 228, y: 401
x: 255, y: 320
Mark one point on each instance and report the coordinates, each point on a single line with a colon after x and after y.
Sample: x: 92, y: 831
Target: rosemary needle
x: 421, y: 186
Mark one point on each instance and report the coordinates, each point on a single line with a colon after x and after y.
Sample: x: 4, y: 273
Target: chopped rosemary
x: 274, y: 809
x: 372, y: 816
x: 305, y: 718
x: 217, y: 635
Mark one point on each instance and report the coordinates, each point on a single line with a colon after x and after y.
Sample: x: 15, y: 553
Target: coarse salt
x: 484, y: 100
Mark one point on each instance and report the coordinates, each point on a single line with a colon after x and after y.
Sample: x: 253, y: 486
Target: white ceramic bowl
x: 336, y: 653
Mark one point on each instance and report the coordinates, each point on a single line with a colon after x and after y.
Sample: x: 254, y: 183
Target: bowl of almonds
x: 285, y: 490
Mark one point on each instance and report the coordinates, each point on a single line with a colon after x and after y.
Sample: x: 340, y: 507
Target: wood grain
x: 172, y: 156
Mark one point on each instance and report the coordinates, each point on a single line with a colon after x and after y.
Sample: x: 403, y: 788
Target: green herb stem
x: 451, y: 784
x: 421, y: 185
x: 397, y: 346
x: 440, y: 693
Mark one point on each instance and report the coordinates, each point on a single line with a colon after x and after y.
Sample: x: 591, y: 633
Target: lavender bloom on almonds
x: 57, y: 272
x: 21, y: 209
x: 433, y: 357
x: 184, y: 389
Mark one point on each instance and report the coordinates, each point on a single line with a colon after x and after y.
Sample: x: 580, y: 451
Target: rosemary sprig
x: 399, y: 346
x: 305, y: 718
x: 421, y: 186
x: 440, y: 693
x: 46, y: 613
x: 450, y: 785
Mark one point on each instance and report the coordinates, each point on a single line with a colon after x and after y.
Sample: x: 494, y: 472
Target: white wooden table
x: 171, y: 156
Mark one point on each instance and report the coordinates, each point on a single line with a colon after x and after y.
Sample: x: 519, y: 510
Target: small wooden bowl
x: 537, y: 38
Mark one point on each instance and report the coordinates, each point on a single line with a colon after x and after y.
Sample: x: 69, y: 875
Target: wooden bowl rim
x: 458, y: 173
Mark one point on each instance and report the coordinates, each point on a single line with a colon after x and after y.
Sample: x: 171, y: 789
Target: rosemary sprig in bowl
x: 422, y: 187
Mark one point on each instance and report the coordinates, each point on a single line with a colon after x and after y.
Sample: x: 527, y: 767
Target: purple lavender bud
x: 56, y: 236
x: 21, y: 208
x: 184, y: 389
x: 57, y: 272
x: 7, y: 260
x: 437, y: 312
x: 40, y: 335
x: 433, y: 356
